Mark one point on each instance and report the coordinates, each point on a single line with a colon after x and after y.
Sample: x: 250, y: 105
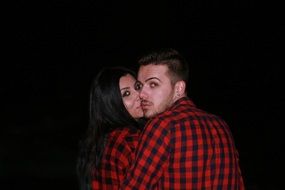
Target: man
x: 181, y: 147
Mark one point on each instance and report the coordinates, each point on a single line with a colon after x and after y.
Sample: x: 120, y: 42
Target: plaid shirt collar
x: 181, y: 101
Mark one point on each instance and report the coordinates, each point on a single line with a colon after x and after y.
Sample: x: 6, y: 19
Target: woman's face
x: 130, y: 95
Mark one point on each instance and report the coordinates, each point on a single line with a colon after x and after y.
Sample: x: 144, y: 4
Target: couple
x: 179, y: 147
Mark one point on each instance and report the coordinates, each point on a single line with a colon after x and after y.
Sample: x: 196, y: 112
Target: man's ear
x: 180, y: 87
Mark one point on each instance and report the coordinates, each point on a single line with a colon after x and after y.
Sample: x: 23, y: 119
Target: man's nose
x: 142, y: 93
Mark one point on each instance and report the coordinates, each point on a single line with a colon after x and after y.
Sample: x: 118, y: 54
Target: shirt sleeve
x: 151, y: 157
x: 113, y: 167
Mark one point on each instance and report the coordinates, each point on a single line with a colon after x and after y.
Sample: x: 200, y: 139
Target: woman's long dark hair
x: 106, y: 113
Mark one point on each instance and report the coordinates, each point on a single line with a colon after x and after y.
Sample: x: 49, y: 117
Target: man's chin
x: 148, y: 114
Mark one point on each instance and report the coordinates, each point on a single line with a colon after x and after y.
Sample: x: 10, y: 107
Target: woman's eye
x: 126, y: 93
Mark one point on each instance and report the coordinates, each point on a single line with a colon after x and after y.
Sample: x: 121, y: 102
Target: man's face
x: 157, y: 93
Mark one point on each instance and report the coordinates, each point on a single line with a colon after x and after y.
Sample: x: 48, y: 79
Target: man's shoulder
x: 185, y: 110
x: 160, y: 119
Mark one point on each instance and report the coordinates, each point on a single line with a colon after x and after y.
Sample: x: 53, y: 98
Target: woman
x: 114, y: 126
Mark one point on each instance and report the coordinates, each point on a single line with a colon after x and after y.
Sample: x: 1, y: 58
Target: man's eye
x: 153, y: 84
x: 138, y: 86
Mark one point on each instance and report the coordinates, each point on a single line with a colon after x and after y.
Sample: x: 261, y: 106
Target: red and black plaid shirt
x: 185, y: 148
x: 116, y: 159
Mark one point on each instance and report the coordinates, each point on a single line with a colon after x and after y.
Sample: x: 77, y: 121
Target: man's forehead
x: 149, y: 71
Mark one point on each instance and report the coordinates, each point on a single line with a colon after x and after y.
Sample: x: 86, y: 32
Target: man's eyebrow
x: 152, y: 78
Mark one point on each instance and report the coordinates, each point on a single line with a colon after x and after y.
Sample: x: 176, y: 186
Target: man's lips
x: 145, y: 104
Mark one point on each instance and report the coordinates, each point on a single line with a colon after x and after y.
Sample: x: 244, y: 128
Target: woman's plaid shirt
x: 185, y: 148
x: 116, y: 159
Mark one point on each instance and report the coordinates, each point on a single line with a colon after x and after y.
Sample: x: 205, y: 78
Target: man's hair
x: 176, y: 63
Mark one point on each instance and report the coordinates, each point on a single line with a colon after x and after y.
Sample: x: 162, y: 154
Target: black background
x: 56, y: 47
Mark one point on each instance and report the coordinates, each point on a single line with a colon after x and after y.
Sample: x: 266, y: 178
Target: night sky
x: 58, y: 46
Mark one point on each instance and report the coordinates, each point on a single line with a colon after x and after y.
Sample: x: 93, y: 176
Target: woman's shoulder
x: 126, y: 136
x: 123, y: 134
